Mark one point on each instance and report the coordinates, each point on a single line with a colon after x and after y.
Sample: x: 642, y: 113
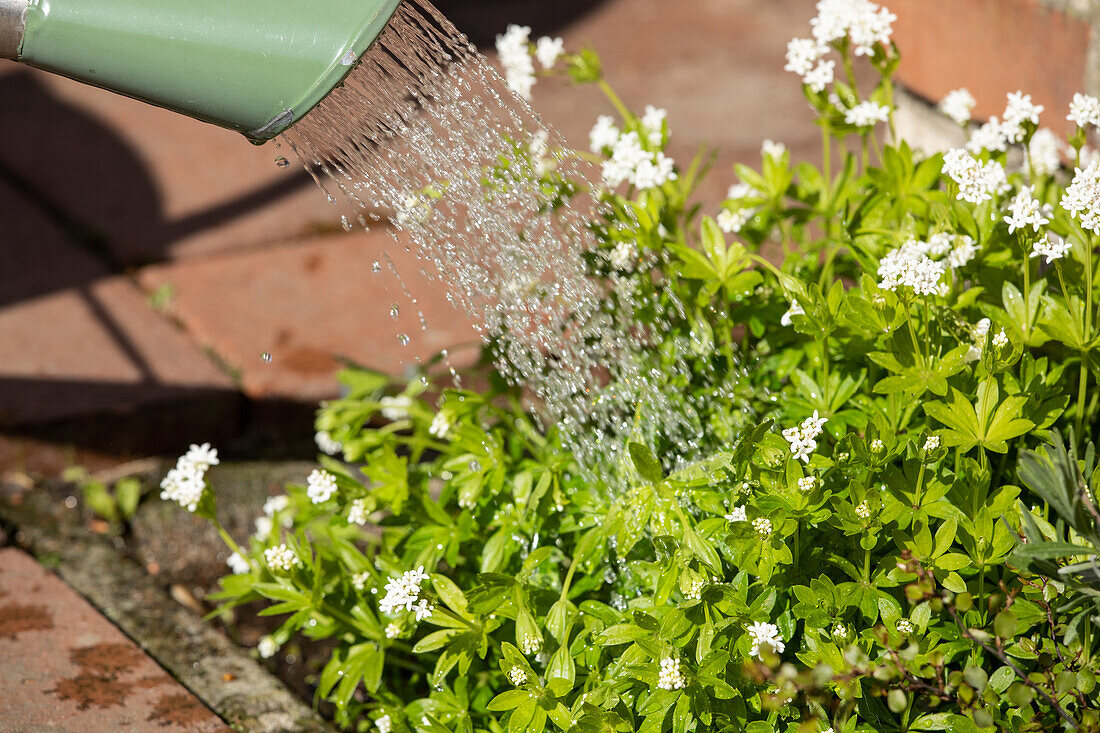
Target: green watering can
x: 253, y: 66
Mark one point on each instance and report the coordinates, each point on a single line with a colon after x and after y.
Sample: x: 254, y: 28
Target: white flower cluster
x: 958, y: 105
x: 548, y: 50
x: 357, y: 513
x: 1084, y: 111
x: 238, y: 564
x: 604, y: 134
x: 807, y: 483
x: 912, y: 266
x: 763, y: 526
x: 906, y: 626
x: 997, y: 134
x: 803, y: 439
x: 1000, y: 340
x: 359, y: 580
x: 517, y: 676
x: 631, y: 163
x: 863, y: 511
x: 840, y: 629
x: 275, y: 504
x: 1082, y: 197
x: 931, y: 443
x: 1024, y: 211
x: 738, y: 514
x: 695, y: 591
x: 1051, y: 248
x: 1045, y: 152
x: 320, y: 486
x: 794, y: 310
x: 867, y: 114
x: 530, y: 643
x: 393, y: 630
x: 186, y: 483
x: 978, y: 332
x: 765, y: 635
x: 624, y: 256
x: 281, y: 558
x: 542, y: 158
x: 441, y: 426
x: 326, y: 444
x: 977, y: 181
x: 670, y: 677
x: 733, y: 221
x: 877, y: 445
x: 267, y: 647
x: 864, y: 22
x: 514, y: 49
x: 771, y: 149
x: 395, y: 408
x: 384, y: 724
x: 404, y: 593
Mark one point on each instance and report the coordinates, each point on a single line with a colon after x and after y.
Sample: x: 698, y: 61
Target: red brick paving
x: 64, y: 668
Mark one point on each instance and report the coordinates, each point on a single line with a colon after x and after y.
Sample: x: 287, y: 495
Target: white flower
x: 632, y: 163
x: 670, y: 677
x: 905, y: 626
x: 541, y: 158
x: 992, y: 136
x: 517, y: 676
x: 326, y: 444
x: 910, y: 265
x: 772, y: 149
x: 763, y: 526
x: 863, y: 511
x: 1000, y: 340
x: 1025, y: 211
x: 548, y: 50
x: 403, y: 592
x: 281, y: 558
x: 732, y: 222
x: 423, y: 610
x: 820, y: 76
x: 393, y: 630
x: 654, y: 121
x: 395, y: 408
x: 963, y: 252
x: 530, y: 643
x: 604, y: 134
x: 267, y: 647
x: 359, y: 580
x: 740, y: 191
x: 958, y: 105
x: 803, y: 439
x: 794, y: 310
x: 624, y: 256
x: 1020, y: 110
x: 441, y: 426
x: 184, y: 485
x: 737, y: 514
x: 931, y: 443
x: 865, y: 22
x: 877, y: 445
x: 977, y: 181
x: 695, y: 591
x: 515, y: 56
x: 357, y: 513
x: 1082, y: 197
x: 1051, y: 248
x: 238, y: 564
x: 264, y: 525
x: 654, y: 172
x: 384, y: 724
x: 867, y: 114
x: 802, y: 54
x: 765, y: 635
x: 320, y: 486
x: 1084, y: 110
x: 1044, y: 151
x: 201, y: 457
x: 807, y: 483
x: 414, y: 208
x: 840, y: 630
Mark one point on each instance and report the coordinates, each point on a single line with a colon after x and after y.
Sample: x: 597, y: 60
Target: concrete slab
x: 63, y: 667
x: 310, y: 305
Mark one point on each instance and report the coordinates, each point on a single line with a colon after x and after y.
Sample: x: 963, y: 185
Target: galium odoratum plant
x: 880, y: 528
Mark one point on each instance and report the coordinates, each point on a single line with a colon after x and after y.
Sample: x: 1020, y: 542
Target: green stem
x: 827, y: 169
x: 888, y: 85
x: 927, y: 331
x: 866, y: 566
x: 568, y: 581
x: 1082, y: 387
x: 1025, y: 264
x: 912, y: 328
x: 614, y: 99
x: 229, y: 541
x: 920, y: 484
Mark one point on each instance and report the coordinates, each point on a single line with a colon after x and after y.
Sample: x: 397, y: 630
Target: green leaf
x: 645, y: 462
x: 508, y: 700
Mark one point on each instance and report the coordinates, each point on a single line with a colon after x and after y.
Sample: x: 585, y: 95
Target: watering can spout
x: 253, y: 66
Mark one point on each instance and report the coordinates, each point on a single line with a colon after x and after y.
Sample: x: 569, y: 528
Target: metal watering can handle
x: 253, y: 66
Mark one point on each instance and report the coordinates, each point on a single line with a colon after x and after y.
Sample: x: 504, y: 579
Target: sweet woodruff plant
x: 887, y: 521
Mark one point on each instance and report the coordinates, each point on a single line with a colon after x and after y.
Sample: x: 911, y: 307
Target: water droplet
x: 395, y: 311
x: 403, y: 338
x: 282, y: 162
x: 376, y: 267
x: 266, y: 356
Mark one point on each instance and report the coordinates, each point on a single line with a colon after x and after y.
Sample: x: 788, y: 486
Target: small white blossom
x: 1020, y: 110
x: 200, y: 457
x: 695, y: 591
x: 403, y: 592
x: 281, y: 558
x: 395, y: 408
x: 441, y: 426
x: 624, y: 256
x: 803, y: 439
x: 384, y: 724
x: 1051, y: 248
x: 905, y: 626
x: 731, y: 222
x: 840, y: 629
x: 357, y: 513
x: 1082, y: 197
x: 977, y: 181
x: 863, y: 21
x: 737, y: 514
x: 958, y: 105
x: 267, y: 647
x: 542, y: 160
x: 515, y: 57
x: 877, y: 446
x: 530, y: 644
x: 1044, y: 152
x: 992, y: 136
x: 1084, y: 111
x: 326, y: 444
x: 264, y: 525
x: 867, y: 114
x: 740, y: 191
x: 1025, y: 211
x: 763, y: 526
x: 238, y: 564
x: 765, y: 635
x: 654, y: 122
x: 820, y: 76
x: 794, y: 310
x: 807, y: 483
x: 670, y: 677
x: 548, y: 50
x: 359, y: 580
x: 863, y: 511
x: 910, y: 265
x: 321, y: 485
x: 517, y: 676
x: 604, y: 134
x: 803, y: 54
x: 184, y: 485
x: 423, y: 610
x: 772, y: 149
x: 1000, y: 340
x: 931, y: 443
x: 393, y: 630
